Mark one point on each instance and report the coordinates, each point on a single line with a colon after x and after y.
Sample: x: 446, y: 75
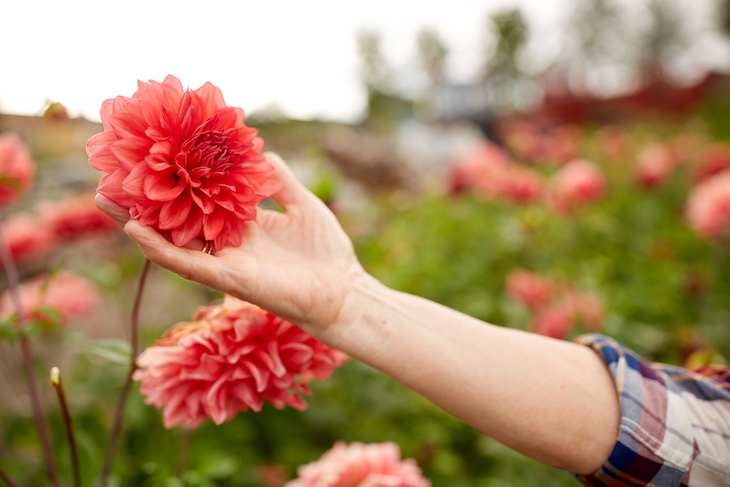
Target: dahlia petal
x: 126, y: 124
x: 210, y: 96
x: 104, y: 160
x: 111, y: 187
x: 147, y: 216
x: 246, y: 394
x: 105, y: 111
x: 100, y: 141
x: 130, y: 151
x: 191, y: 227
x: 133, y: 183
x: 296, y: 353
x: 260, y: 376
x: 163, y: 185
x: 173, y: 213
x: 213, y: 224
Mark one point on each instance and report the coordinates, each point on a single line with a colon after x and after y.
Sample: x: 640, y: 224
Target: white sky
x: 298, y: 54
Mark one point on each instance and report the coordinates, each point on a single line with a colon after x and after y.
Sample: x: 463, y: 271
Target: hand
x: 299, y: 265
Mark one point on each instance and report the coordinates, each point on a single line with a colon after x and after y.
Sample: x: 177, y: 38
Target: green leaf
x: 113, y: 349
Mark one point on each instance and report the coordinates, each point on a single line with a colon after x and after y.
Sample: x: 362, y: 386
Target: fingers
x: 188, y: 263
x: 292, y: 191
x: 118, y: 213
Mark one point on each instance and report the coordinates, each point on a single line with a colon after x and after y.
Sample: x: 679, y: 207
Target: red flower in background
x: 182, y: 161
x: 232, y: 357
x: 75, y: 217
x: 72, y: 296
x: 488, y: 171
x: 17, y: 169
x: 576, y: 184
x: 523, y: 185
x: 708, y: 207
x: 532, y: 289
x: 654, y: 164
x: 27, y: 237
x: 554, y: 322
x: 555, y: 307
x: 360, y: 465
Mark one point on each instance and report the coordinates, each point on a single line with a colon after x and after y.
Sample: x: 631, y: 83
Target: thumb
x: 191, y: 264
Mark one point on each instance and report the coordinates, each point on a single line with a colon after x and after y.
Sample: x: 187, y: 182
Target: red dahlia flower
x: 708, y: 207
x: 359, y: 465
x: 72, y: 296
x: 27, y: 237
x: 576, y: 184
x: 17, y: 169
x: 182, y: 161
x: 232, y: 357
x: 75, y: 217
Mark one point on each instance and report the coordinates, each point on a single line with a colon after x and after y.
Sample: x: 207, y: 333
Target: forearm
x: 549, y: 399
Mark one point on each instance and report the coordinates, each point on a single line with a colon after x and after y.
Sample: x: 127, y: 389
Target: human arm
x: 551, y: 400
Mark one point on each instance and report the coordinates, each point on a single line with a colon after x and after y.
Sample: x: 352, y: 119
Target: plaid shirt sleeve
x: 675, y: 423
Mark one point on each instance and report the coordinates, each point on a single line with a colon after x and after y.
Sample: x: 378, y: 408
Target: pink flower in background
x: 555, y: 307
x: 182, y: 161
x: 587, y: 308
x: 72, y: 296
x: 560, y: 145
x: 482, y: 170
x: 27, y: 237
x: 17, y: 169
x: 554, y: 321
x: 576, y: 184
x: 654, y: 164
x: 612, y: 140
x: 75, y: 217
x: 708, y: 207
x: 533, y: 290
x: 714, y: 160
x: 360, y: 465
x: 523, y: 186
x: 232, y: 357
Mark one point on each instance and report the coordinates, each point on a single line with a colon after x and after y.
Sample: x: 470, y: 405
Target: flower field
x: 563, y: 229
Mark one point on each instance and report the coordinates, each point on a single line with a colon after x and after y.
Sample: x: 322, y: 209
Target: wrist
x: 357, y: 322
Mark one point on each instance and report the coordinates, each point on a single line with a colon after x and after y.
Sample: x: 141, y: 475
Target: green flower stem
x: 58, y: 385
x: 12, y: 274
x: 117, y: 428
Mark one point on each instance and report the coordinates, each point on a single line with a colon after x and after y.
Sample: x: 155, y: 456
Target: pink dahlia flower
x: 17, y: 169
x: 482, y: 170
x: 555, y: 321
x: 576, y: 184
x: 532, y: 289
x: 232, y: 357
x: 182, y: 161
x: 523, y: 186
x: 561, y: 144
x: 360, y: 465
x: 72, y: 296
x: 654, y: 164
x: 75, y: 217
x: 714, y: 160
x: 708, y: 207
x: 27, y: 237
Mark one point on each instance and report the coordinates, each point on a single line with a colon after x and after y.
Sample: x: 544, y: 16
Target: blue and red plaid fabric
x: 675, y: 423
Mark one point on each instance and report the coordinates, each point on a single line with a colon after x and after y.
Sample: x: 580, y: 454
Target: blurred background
x: 445, y: 138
